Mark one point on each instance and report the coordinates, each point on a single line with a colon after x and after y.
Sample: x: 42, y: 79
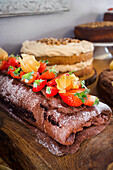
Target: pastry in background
x: 108, y: 16
x: 95, y: 31
x: 105, y: 84
x: 67, y: 54
x: 3, y: 55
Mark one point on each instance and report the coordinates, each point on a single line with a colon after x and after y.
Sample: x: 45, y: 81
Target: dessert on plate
x: 61, y: 109
x: 105, y: 84
x: 108, y: 15
x: 67, y: 54
x: 95, y: 31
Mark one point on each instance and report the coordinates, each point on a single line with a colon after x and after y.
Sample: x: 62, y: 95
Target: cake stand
x: 101, y: 51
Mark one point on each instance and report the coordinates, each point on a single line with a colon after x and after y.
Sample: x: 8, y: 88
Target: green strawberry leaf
x: 96, y: 101
x: 82, y: 95
x: 82, y: 82
x: 53, y: 70
x: 48, y: 90
x: 71, y: 72
x: 28, y: 76
x: 17, y: 71
x: 47, y: 62
x: 15, y: 56
x: 37, y: 82
x: 10, y: 67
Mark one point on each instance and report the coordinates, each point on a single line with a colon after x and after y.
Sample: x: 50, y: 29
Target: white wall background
x: 15, y: 30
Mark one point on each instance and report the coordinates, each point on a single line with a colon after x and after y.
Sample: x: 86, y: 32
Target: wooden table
x: 20, y: 149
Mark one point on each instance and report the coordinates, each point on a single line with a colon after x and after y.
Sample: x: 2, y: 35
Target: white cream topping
x: 74, y: 67
x: 39, y: 49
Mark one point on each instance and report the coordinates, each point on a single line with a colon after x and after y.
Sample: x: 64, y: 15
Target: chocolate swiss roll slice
x: 51, y: 115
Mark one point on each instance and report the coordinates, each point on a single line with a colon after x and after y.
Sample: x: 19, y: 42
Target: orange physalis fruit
x: 3, y: 55
x: 67, y: 82
x: 29, y: 63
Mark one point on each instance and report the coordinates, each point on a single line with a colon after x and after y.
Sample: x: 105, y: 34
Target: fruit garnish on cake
x: 72, y: 91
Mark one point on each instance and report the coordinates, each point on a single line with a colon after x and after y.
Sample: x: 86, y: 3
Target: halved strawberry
x: 30, y: 77
x: 91, y: 100
x: 70, y: 99
x: 42, y: 66
x: 51, y: 91
x: 75, y: 97
x: 78, y: 97
x: 39, y: 85
x: 50, y: 74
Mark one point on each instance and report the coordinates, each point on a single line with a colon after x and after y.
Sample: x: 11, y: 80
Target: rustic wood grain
x: 20, y: 149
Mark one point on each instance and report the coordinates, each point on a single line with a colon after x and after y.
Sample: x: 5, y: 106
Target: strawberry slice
x: 50, y: 74
x: 42, y: 66
x: 91, y: 100
x: 30, y: 77
x: 39, y: 85
x: 51, y: 91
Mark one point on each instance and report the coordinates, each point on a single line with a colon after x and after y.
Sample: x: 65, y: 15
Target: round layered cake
x: 67, y: 54
x: 95, y: 31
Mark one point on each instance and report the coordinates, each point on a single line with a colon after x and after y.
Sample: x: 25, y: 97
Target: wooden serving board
x: 20, y: 149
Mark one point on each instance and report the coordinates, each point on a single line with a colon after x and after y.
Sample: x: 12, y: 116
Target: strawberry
x: 39, y: 84
x: 42, y: 66
x: 70, y: 99
x: 11, y: 69
x: 53, y: 82
x: 51, y: 91
x: 4, y: 66
x: 30, y: 77
x: 91, y: 100
x: 21, y: 74
x: 13, y: 61
x: 110, y: 9
x: 50, y: 74
x: 75, y: 97
x: 78, y: 97
x: 16, y: 73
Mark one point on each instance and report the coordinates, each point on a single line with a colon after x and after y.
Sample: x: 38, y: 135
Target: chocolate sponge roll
x: 51, y: 115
